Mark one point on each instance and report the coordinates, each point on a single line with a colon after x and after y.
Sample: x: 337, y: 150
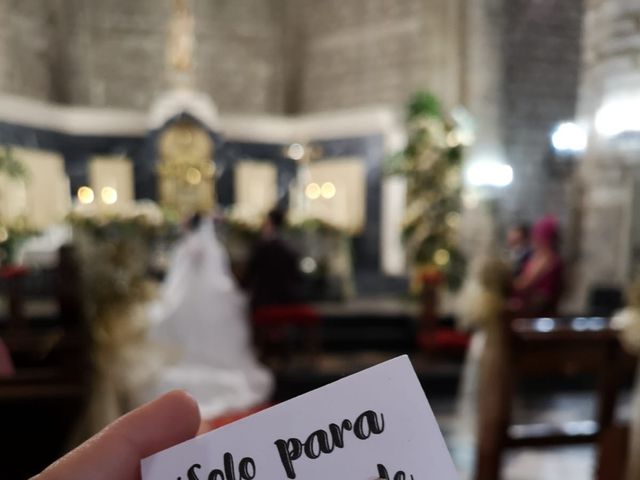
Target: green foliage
x: 424, y: 104
x: 10, y: 165
x: 12, y: 236
x: 432, y: 164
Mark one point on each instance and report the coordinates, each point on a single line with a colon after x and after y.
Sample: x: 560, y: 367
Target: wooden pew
x: 612, y: 459
x: 538, y: 347
x: 41, y: 402
x: 275, y: 328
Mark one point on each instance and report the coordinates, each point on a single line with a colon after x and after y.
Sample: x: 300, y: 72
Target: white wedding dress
x: 201, y: 318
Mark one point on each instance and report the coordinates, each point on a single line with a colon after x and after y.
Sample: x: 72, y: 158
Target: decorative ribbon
x: 482, y: 304
x: 116, y: 292
x: 627, y: 322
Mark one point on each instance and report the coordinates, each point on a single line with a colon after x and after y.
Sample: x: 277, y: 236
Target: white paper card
x: 374, y: 424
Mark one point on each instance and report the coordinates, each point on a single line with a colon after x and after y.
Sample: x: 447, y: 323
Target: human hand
x: 115, y: 452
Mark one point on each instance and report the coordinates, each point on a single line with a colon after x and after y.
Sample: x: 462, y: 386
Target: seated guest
x: 539, y: 286
x: 6, y: 365
x: 519, y: 246
x: 272, y: 276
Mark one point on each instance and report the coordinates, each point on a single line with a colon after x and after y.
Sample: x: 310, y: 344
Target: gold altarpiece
x: 186, y: 169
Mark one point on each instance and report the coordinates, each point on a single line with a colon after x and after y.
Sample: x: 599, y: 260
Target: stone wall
x: 542, y: 52
x: 112, y: 52
x: 286, y: 55
x: 117, y: 53
x: 362, y: 52
x: 610, y: 173
x: 240, y: 53
x: 513, y: 63
x: 26, y: 30
x: 276, y: 56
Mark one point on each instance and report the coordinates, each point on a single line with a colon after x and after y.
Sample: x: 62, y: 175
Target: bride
x: 202, y: 316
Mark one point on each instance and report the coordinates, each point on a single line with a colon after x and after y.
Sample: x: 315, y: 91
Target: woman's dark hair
x: 194, y: 222
x: 276, y: 217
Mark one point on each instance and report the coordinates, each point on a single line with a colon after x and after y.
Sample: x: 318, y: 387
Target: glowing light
x: 109, y: 195
x: 295, y: 151
x: 85, y: 195
x: 328, y: 190
x: 452, y: 219
x: 308, y: 265
x: 313, y: 191
x: 4, y: 235
x: 489, y: 173
x: 580, y: 324
x: 470, y: 200
x: 544, y: 325
x: 452, y: 139
x: 569, y: 137
x: 441, y: 257
x: 193, y: 176
x: 618, y: 116
x: 465, y: 126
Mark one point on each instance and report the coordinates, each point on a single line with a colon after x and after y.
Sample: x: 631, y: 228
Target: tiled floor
x: 565, y: 463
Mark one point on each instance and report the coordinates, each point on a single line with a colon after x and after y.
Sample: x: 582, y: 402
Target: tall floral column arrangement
x: 431, y: 163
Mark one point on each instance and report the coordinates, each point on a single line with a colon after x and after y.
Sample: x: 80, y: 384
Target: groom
x: 272, y: 275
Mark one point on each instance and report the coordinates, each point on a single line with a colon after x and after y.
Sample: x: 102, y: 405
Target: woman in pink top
x: 6, y: 365
x: 539, y: 287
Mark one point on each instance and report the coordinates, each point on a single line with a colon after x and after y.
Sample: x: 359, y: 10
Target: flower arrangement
x: 13, y: 232
x: 144, y: 215
x: 484, y: 296
x: 10, y: 165
x: 114, y: 249
x: 627, y: 320
x: 12, y: 235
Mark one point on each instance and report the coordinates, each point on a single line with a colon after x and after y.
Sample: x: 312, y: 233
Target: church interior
x: 250, y: 199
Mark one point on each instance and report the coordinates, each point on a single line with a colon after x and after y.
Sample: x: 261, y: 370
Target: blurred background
x: 250, y: 199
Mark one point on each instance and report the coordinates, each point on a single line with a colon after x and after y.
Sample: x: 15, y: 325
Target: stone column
x: 482, y: 95
x: 482, y: 71
x: 609, y: 98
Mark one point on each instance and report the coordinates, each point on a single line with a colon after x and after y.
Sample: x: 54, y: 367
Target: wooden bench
x: 539, y: 347
x: 278, y: 328
x: 41, y: 402
x: 612, y: 459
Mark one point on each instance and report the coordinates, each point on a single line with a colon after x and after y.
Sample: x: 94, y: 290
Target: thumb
x: 115, y: 452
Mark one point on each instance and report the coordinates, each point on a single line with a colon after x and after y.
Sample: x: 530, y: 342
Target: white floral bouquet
x: 627, y: 320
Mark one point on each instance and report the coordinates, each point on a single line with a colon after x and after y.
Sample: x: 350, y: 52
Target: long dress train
x: 202, y: 317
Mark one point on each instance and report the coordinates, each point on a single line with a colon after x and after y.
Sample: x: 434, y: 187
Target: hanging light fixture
x: 489, y: 173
